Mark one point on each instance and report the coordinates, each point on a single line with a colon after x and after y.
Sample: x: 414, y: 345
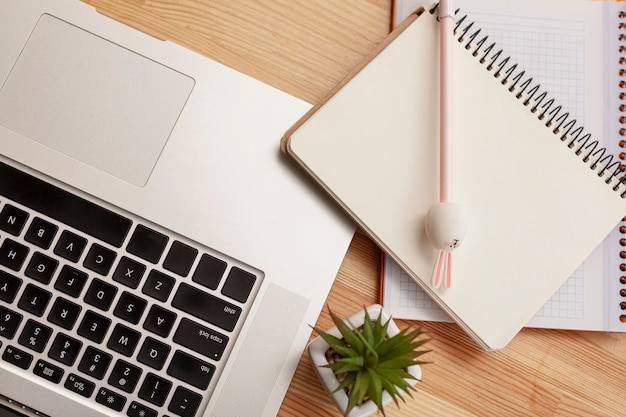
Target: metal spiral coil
x: 553, y: 115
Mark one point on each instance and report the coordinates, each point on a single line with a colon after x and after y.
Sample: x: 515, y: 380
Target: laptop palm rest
x: 93, y: 100
x: 263, y: 353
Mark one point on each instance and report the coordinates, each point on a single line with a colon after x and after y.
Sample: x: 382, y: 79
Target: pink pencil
x: 445, y: 223
x: 446, y: 28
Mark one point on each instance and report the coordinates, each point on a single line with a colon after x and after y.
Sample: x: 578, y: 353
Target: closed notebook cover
x: 536, y: 208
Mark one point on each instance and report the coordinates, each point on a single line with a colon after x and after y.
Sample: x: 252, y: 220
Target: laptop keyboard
x: 111, y: 308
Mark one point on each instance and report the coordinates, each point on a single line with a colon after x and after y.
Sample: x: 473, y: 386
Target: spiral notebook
x: 520, y: 165
x: 583, y: 42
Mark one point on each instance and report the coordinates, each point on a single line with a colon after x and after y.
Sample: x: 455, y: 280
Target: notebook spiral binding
x: 537, y: 100
x: 622, y: 144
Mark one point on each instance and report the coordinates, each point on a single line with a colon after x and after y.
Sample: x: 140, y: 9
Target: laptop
x: 158, y: 255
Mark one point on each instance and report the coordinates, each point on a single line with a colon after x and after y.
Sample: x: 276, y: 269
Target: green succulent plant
x: 367, y: 362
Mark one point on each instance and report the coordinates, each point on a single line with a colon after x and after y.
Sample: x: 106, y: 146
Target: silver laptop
x: 158, y: 256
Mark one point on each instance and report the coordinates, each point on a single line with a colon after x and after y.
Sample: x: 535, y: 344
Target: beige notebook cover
x: 536, y: 208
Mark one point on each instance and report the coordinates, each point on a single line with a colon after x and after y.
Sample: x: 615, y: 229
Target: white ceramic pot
x: 317, y: 352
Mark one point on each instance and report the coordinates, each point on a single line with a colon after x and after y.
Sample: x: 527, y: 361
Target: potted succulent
x: 365, y: 363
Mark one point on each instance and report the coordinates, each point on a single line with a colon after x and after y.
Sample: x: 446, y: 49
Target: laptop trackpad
x: 93, y: 100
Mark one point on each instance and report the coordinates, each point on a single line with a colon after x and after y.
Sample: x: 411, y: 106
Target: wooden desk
x: 305, y: 47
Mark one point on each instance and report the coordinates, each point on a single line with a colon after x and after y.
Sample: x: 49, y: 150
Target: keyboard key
x: 124, y: 376
x: 9, y: 286
x: 79, y: 385
x: 17, y: 357
x: 184, y: 403
x: 65, y: 349
x: 48, y: 371
x: 34, y: 300
x: 238, y: 284
x: 41, y: 233
x: 63, y: 206
x: 12, y: 219
x: 206, y: 307
x: 209, y: 271
x: 191, y: 370
x: 158, y: 285
x: 124, y: 340
x: 180, y: 258
x: 94, y: 326
x: 155, y: 389
x: 70, y: 246
x: 129, y: 272
x: 159, y: 321
x: 13, y: 254
x: 64, y: 313
x: 41, y: 267
x: 94, y: 362
x: 139, y: 410
x: 153, y: 353
x: 71, y: 281
x: 9, y: 322
x: 35, y: 336
x: 201, y: 339
x: 99, y: 259
x: 148, y: 244
x: 110, y: 399
x: 100, y: 294
x: 130, y: 307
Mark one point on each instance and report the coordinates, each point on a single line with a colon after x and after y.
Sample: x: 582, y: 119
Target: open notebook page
x: 558, y: 44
